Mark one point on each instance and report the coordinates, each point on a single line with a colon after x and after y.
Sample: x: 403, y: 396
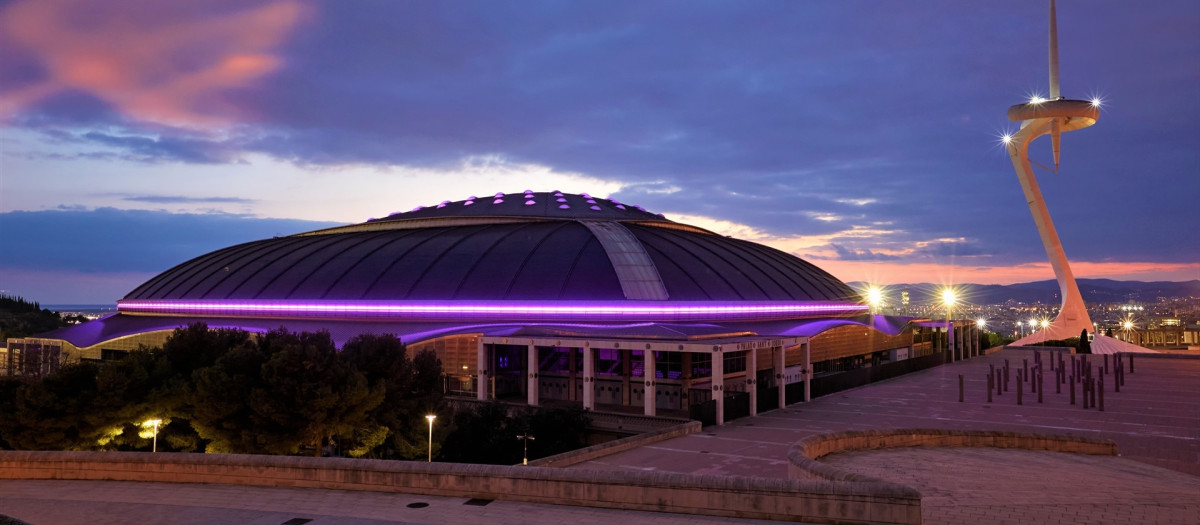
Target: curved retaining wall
x: 743, y: 497
x: 803, y: 455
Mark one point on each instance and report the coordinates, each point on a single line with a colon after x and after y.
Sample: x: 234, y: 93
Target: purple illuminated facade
x: 494, y: 310
x: 537, y: 295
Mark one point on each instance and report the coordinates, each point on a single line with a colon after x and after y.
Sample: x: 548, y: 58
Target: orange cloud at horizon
x: 158, y: 63
x: 891, y: 272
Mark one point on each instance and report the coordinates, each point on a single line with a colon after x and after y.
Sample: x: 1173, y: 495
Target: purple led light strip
x: 498, y: 310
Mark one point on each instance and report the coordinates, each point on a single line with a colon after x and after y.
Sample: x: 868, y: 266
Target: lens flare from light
x: 948, y: 297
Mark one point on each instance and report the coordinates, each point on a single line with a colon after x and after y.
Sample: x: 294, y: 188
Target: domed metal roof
x: 504, y: 247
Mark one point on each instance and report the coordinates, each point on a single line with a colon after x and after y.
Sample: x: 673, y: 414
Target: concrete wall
x: 757, y: 498
x: 573, y: 457
x: 803, y: 455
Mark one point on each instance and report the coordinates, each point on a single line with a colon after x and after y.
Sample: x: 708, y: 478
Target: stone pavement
x: 1155, y: 420
x: 54, y: 502
x: 1017, y: 487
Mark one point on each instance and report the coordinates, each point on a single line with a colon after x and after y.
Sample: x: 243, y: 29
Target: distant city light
x: 1045, y: 323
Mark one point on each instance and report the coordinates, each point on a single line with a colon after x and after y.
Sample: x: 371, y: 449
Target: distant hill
x: 1093, y: 290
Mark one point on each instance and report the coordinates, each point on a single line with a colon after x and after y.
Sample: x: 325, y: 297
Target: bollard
x: 1105, y: 360
x: 1131, y: 363
x: 1006, y: 375
x: 1052, y: 361
x: 1101, y: 388
x: 991, y: 379
x: 1057, y: 382
x: 1092, y: 391
x: 1025, y: 367
x: 960, y: 388
x: 1033, y: 380
x: 1117, y: 379
x: 1020, y: 391
x: 1072, y: 383
x: 1039, y: 385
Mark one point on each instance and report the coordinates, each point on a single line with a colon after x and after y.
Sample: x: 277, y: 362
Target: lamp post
x: 154, y: 423
x: 430, y: 418
x: 525, y: 456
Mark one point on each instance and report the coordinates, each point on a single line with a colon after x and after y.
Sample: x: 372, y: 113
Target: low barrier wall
x: 803, y: 455
x: 573, y: 457
x: 743, y: 497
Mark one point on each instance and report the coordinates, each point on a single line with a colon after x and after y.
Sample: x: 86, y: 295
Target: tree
x: 309, y: 393
x: 482, y: 434
x: 52, y: 414
x: 221, y: 411
x: 383, y: 361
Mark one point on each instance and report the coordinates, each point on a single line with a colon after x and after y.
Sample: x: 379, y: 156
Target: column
x: 685, y: 392
x: 950, y: 339
x: 718, y: 384
x: 752, y: 379
x: 571, y: 369
x: 780, y: 381
x: 650, y: 395
x: 481, y: 368
x: 531, y: 371
x: 589, y: 379
x: 978, y: 345
x: 806, y: 372
x: 626, y: 357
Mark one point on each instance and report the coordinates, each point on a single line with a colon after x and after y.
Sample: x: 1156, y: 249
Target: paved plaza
x: 53, y: 502
x: 1155, y: 420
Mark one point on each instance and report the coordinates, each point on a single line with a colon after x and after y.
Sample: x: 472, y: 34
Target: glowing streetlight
x: 430, y: 417
x: 948, y: 299
x: 1127, y: 325
x: 526, y: 438
x: 980, y: 323
x: 874, y: 298
x: 1045, y: 324
x: 153, y: 423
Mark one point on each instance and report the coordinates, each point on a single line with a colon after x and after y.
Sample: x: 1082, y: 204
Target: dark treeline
x: 225, y: 390
x: 22, y: 318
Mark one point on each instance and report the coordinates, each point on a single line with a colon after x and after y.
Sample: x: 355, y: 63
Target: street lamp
x: 874, y: 298
x: 948, y: 299
x: 154, y: 423
x: 526, y: 438
x: 430, y: 417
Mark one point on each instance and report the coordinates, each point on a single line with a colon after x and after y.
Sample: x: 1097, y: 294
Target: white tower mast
x: 1051, y: 117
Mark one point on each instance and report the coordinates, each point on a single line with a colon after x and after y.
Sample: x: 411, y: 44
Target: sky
x: 862, y: 136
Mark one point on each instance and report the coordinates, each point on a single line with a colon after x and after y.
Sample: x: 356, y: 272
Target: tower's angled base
x: 1100, y: 345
